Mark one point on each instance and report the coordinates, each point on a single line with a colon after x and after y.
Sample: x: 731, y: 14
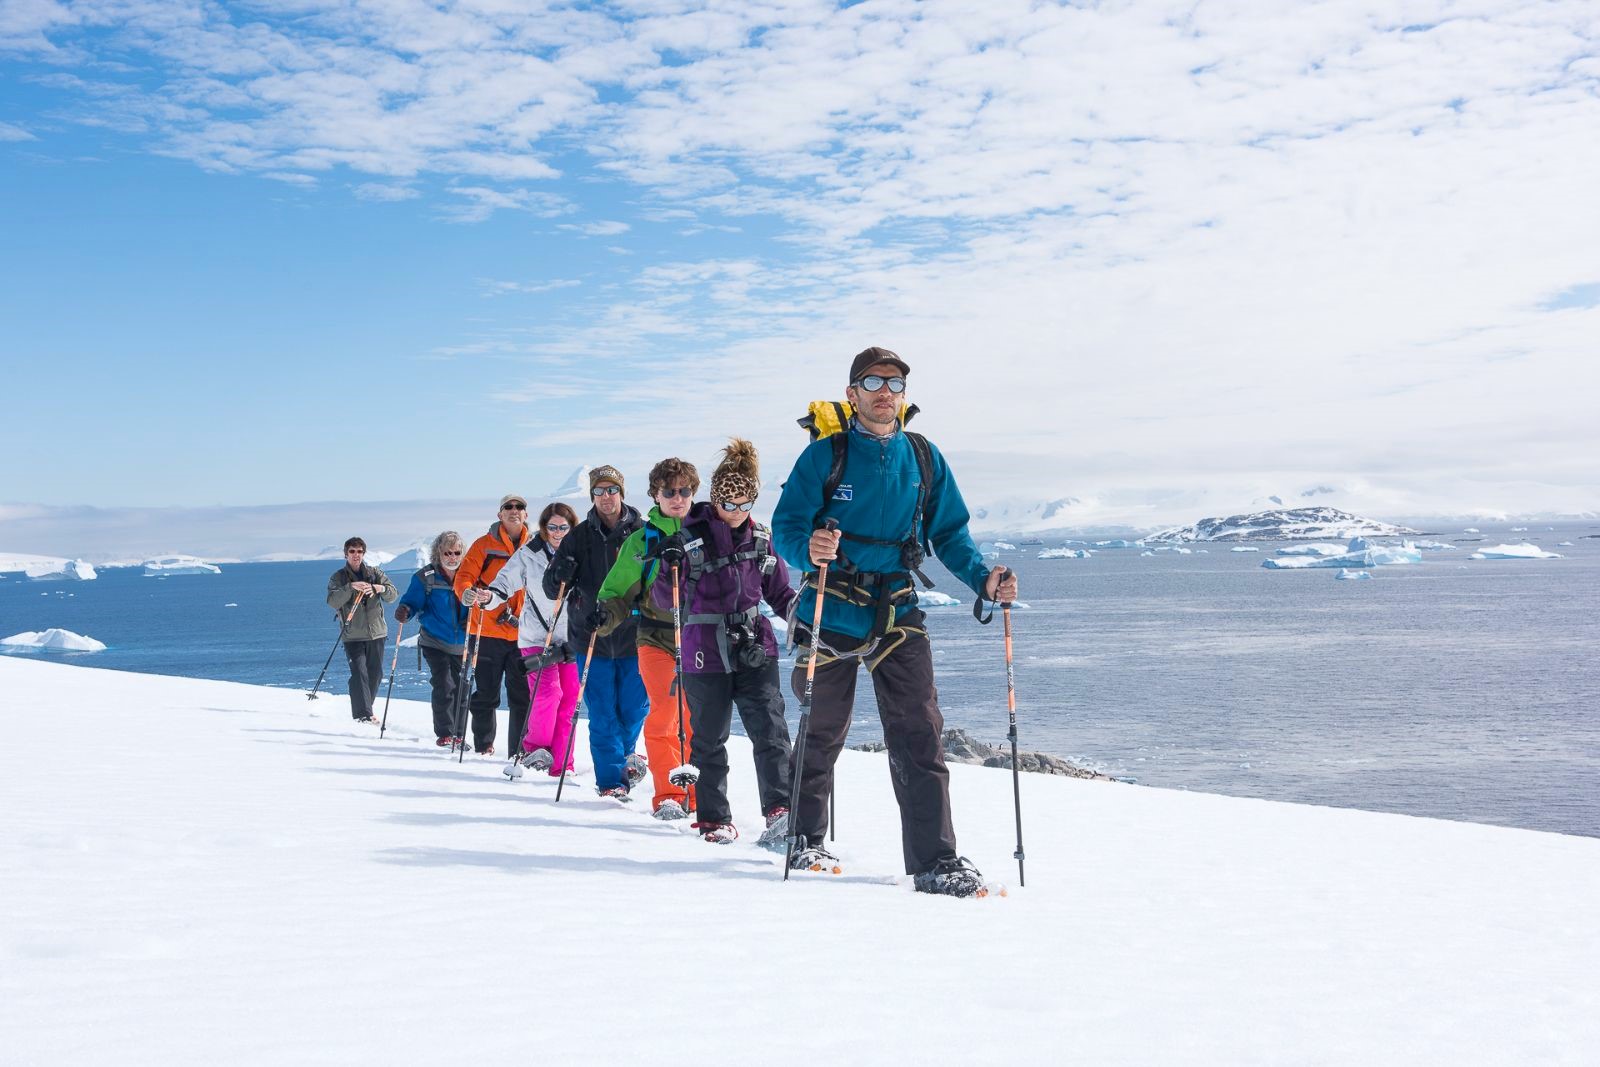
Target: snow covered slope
x: 252, y: 878
x: 1283, y: 524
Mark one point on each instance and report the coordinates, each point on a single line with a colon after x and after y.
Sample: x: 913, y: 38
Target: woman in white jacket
x: 552, y: 676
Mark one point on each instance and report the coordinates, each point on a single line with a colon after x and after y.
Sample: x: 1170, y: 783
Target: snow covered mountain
x: 1282, y: 524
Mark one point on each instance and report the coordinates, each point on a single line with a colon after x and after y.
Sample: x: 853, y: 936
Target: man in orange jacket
x: 499, y: 658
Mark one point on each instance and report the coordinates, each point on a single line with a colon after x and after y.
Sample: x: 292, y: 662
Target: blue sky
x: 378, y: 250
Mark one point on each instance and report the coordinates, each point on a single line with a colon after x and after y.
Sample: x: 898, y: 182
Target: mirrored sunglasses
x: 873, y: 382
x: 728, y: 505
x: 604, y: 490
x: 558, y: 527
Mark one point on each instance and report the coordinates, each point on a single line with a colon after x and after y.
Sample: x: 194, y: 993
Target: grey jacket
x: 369, y: 622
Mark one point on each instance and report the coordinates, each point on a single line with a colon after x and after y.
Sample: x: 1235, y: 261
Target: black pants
x: 711, y: 700
x: 908, y: 704
x: 444, y: 670
x: 366, y: 674
x: 499, y: 660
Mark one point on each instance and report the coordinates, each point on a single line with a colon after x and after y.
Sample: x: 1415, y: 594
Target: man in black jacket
x: 613, y: 692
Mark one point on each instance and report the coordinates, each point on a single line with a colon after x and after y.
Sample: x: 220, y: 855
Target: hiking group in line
x: 655, y: 621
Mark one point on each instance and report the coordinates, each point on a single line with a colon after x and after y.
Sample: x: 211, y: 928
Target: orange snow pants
x: 661, y: 726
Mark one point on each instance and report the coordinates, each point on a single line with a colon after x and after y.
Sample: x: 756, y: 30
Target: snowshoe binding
x: 815, y: 858
x: 619, y: 793
x: 670, y: 811
x: 953, y: 877
x: 635, y: 767
x: 539, y: 759
x: 775, y: 837
x: 717, y: 833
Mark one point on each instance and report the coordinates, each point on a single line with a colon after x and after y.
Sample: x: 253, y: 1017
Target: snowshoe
x: 776, y: 836
x: 670, y: 811
x: 815, y: 858
x: 953, y: 877
x: 618, y: 793
x: 540, y: 760
x: 635, y: 767
x: 717, y: 833
x: 445, y: 742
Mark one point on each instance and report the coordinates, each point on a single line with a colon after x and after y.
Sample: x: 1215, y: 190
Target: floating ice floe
x: 1005, y: 546
x: 1351, y: 576
x: 1359, y: 553
x: 932, y: 598
x: 1522, y: 551
x: 1175, y: 548
x: 1564, y: 544
x: 169, y: 565
x: 1472, y: 529
x: 1244, y: 548
x: 1431, y: 546
x: 68, y: 570
x: 1316, y: 548
x: 1147, y: 553
x: 988, y: 550
x: 53, y: 640
x: 1117, y: 542
x: 1065, y: 553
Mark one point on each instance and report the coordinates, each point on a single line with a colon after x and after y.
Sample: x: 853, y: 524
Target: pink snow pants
x: 550, y: 718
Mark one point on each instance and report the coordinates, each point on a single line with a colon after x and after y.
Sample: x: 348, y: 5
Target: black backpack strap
x: 924, y: 454
x: 841, y: 451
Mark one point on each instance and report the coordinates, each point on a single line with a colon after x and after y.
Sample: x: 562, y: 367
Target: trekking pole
x: 805, y: 714
x: 514, y: 768
x: 1011, y: 705
x: 572, y: 727
x: 685, y: 773
x: 473, y: 641
x: 344, y: 622
x: 384, y: 725
x: 831, y: 820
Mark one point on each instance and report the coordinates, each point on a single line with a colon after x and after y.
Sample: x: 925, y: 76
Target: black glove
x: 564, y: 568
x: 402, y: 613
x: 595, y: 618
x: 669, y: 549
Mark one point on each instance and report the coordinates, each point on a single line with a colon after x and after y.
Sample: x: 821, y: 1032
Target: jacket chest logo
x: 844, y: 492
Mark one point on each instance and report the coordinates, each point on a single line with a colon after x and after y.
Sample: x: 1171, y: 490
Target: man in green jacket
x: 367, y: 630
x: 673, y: 483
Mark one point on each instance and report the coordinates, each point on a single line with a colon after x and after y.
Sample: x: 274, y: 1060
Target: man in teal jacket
x: 870, y: 613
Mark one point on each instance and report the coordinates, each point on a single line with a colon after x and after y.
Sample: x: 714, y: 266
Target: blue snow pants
x: 616, y: 702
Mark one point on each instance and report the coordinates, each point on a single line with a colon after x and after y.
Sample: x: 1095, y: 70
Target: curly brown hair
x: 672, y: 470
x: 551, y: 511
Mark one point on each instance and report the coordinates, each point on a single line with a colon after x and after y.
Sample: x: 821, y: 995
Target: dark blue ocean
x: 1456, y: 689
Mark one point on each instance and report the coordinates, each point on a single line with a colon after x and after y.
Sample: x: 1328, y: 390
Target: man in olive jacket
x: 367, y: 631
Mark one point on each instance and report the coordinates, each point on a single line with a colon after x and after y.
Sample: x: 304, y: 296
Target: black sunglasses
x: 728, y: 505
x: 684, y: 492
x: 604, y: 490
x: 513, y: 507
x: 873, y: 382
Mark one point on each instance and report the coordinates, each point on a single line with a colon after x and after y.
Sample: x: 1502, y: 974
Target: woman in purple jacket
x: 730, y: 656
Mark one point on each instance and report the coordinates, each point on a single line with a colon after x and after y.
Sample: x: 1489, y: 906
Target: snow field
x: 235, y: 873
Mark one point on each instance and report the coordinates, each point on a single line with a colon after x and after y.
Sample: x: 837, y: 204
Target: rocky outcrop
x: 962, y: 747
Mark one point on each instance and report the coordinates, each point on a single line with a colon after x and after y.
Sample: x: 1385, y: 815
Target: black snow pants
x: 499, y: 661
x: 759, y: 698
x: 366, y: 674
x: 444, y: 671
x: 913, y: 729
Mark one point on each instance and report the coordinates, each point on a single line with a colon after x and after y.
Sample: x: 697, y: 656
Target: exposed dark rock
x: 962, y: 747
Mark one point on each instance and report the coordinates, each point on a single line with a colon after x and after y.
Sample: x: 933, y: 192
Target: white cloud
x: 499, y: 288
x: 384, y: 193
x: 8, y: 132
x: 1112, y: 239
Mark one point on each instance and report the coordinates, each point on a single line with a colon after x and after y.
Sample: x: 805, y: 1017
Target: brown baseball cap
x: 873, y: 356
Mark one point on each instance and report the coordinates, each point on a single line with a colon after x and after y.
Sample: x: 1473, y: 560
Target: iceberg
x: 1244, y: 548
x: 1178, y: 550
x: 68, y: 570
x: 1117, y: 542
x: 53, y: 640
x: 1472, y: 529
x: 988, y: 550
x: 1065, y: 553
x: 1005, y: 546
x: 932, y: 598
x: 1316, y: 548
x: 1360, y: 553
x: 1564, y: 544
x: 1431, y: 546
x: 168, y: 565
x: 1351, y: 576
x: 1147, y: 553
x: 407, y: 560
x: 1522, y: 551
